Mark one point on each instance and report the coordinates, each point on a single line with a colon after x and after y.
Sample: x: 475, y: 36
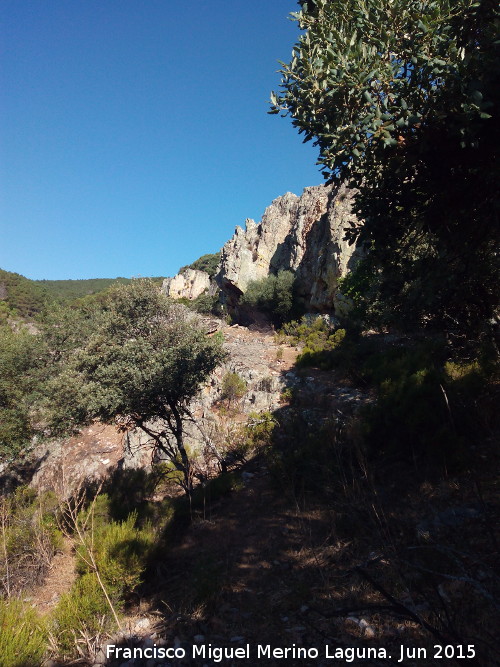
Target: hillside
x: 27, y: 297
x: 310, y: 539
x: 21, y: 295
x: 64, y: 290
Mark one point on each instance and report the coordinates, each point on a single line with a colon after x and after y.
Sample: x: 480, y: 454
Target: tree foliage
x: 22, y: 369
x: 233, y: 387
x: 402, y: 98
x: 141, y: 364
x: 207, y: 263
x: 273, y: 294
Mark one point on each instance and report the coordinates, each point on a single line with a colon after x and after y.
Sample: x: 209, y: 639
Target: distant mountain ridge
x: 26, y: 297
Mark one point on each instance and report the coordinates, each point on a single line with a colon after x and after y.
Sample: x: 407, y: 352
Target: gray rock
x: 100, y: 658
x: 304, y: 235
x: 188, y: 285
x: 142, y: 624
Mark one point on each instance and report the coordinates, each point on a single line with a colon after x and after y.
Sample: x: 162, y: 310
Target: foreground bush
x: 111, y: 558
x: 23, y: 635
x: 82, y: 615
x: 30, y: 539
x: 120, y: 550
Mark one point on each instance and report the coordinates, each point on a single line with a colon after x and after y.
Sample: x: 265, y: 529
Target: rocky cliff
x: 304, y: 235
x: 188, y: 284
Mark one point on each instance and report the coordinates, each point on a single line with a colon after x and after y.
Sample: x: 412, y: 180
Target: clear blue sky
x: 135, y: 133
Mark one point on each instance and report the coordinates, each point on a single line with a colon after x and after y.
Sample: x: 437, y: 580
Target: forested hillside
x: 20, y: 295
x: 26, y: 298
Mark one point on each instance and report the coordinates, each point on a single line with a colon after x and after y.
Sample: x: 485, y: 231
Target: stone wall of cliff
x: 304, y: 235
x: 188, y: 284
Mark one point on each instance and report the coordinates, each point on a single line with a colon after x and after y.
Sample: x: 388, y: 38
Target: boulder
x: 188, y: 285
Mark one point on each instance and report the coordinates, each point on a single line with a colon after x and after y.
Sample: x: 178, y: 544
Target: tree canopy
x: 142, y: 362
x: 22, y: 362
x: 402, y: 98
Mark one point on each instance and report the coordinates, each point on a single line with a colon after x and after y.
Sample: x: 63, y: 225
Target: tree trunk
x: 179, y: 438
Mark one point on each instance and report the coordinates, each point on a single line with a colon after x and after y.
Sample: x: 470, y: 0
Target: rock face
x: 304, y: 235
x: 189, y: 284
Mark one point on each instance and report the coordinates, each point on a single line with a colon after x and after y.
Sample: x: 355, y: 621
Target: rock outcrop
x: 304, y: 235
x: 189, y: 284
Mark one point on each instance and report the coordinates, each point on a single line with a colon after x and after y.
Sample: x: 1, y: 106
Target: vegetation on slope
x: 207, y: 263
x: 25, y: 298
x: 69, y: 290
x: 19, y: 296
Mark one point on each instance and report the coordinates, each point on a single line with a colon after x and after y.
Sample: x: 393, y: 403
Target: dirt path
x: 59, y: 579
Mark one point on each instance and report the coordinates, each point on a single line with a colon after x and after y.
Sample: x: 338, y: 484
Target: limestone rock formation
x: 189, y: 284
x: 304, y: 235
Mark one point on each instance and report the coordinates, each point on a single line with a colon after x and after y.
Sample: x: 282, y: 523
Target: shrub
x: 120, y: 550
x: 23, y: 636
x: 205, y: 304
x: 317, y: 338
x: 286, y: 395
x: 30, y: 538
x: 83, y: 612
x: 233, y: 387
x: 259, y: 428
x: 273, y: 295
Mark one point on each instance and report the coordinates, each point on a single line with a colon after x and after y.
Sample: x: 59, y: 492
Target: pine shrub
x: 23, y: 635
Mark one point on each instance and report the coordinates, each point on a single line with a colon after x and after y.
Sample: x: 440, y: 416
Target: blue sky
x: 135, y: 135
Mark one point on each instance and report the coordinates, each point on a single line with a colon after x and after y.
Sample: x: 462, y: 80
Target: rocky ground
x: 252, y: 353
x: 268, y: 566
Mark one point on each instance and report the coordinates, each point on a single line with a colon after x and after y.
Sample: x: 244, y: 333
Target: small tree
x: 234, y: 387
x: 142, y: 364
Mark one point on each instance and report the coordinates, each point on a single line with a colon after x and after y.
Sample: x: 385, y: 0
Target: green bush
x: 23, y: 635
x: 205, y: 304
x: 81, y: 612
x: 316, y: 337
x: 120, y: 550
x: 233, y: 387
x: 117, y: 552
x: 259, y: 428
x: 273, y: 295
